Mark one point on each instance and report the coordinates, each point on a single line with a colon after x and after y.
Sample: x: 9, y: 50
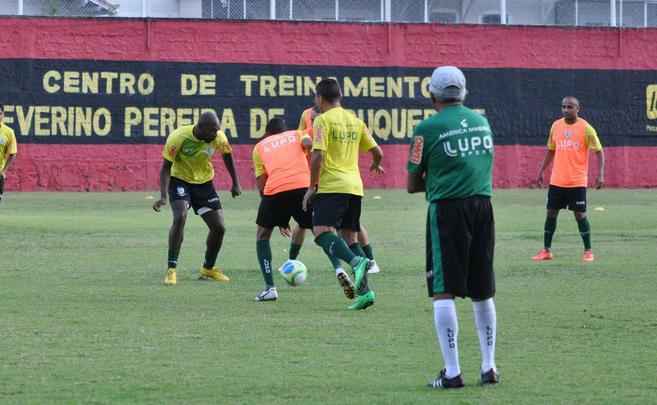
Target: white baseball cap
x: 448, y: 82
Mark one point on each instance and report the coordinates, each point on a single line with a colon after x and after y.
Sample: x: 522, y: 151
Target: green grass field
x: 85, y: 319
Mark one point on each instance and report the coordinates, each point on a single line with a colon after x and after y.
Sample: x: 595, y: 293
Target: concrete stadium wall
x: 611, y: 69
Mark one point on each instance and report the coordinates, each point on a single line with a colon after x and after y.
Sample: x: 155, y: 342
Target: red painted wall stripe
x: 339, y: 44
x: 136, y: 167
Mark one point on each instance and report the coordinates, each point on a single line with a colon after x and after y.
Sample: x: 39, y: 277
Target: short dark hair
x: 276, y: 125
x: 2, y: 109
x: 329, y: 90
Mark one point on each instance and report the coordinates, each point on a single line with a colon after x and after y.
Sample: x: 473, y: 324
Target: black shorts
x: 460, y: 247
x: 203, y: 198
x: 339, y: 210
x: 276, y: 210
x: 2, y: 184
x: 573, y: 198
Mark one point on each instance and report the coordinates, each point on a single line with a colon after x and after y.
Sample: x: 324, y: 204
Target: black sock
x: 263, y: 249
x: 208, y: 263
x: 368, y: 251
x: 172, y: 263
x: 294, y: 251
x: 550, y: 227
x: 585, y: 232
x: 358, y: 251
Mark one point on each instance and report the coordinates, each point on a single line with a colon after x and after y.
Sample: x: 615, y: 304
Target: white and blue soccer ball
x: 294, y: 272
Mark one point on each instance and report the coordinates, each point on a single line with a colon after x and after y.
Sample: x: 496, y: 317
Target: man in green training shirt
x: 451, y: 159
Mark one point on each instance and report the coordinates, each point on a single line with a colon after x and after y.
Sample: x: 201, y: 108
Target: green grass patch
x: 86, y: 319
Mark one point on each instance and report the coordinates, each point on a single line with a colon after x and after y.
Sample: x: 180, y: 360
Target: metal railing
x: 614, y: 13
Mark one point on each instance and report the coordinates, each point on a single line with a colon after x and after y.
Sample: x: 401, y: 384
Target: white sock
x: 486, y: 321
x: 447, y: 330
x: 339, y: 270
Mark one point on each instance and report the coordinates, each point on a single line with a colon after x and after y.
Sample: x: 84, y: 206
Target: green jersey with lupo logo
x: 454, y: 149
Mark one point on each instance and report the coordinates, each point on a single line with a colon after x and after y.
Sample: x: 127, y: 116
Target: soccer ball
x: 294, y: 272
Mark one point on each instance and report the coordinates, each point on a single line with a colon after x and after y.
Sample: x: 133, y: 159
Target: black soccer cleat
x: 490, y: 377
x: 442, y: 382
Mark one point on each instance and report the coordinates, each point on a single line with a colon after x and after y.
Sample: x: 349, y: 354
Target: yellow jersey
x: 192, y: 157
x: 341, y: 136
x: 8, y: 144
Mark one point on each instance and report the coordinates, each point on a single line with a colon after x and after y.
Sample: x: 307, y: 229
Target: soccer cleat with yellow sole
x: 213, y: 274
x: 170, y: 278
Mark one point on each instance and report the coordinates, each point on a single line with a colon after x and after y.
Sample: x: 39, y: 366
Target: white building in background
x: 630, y: 13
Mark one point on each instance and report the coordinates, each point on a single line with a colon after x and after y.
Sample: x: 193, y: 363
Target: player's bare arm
x: 307, y: 143
x: 316, y: 160
x: 10, y: 158
x: 549, y: 157
x: 165, y: 177
x: 377, y: 156
x: 415, y: 183
x: 261, y: 181
x: 235, y: 190
x: 600, y: 182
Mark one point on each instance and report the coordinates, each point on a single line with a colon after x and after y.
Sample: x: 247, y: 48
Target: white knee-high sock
x: 486, y: 321
x: 447, y: 330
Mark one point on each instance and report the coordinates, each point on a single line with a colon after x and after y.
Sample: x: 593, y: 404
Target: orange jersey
x: 281, y: 157
x: 571, y: 144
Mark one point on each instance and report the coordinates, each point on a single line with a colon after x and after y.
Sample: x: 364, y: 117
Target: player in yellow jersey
x: 336, y: 188
x: 8, y: 150
x: 298, y: 235
x: 186, y: 179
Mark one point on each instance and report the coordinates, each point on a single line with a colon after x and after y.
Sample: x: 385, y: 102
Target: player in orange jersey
x: 569, y: 142
x: 282, y: 174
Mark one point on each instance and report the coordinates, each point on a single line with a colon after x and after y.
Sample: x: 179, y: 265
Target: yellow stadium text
x: 198, y: 85
x: 259, y: 119
x: 283, y: 85
x: 396, y: 123
x: 387, y: 87
x: 161, y: 121
x: 374, y: 86
x: 43, y: 120
x: 74, y: 82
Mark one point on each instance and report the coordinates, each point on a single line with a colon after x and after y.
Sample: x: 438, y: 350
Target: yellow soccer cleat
x: 213, y: 274
x: 170, y: 278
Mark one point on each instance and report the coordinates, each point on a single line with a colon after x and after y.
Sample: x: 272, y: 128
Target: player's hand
x: 307, y: 198
x: 599, y: 183
x: 378, y: 169
x: 159, y: 204
x: 285, y: 231
x: 235, y: 190
x: 539, y: 181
